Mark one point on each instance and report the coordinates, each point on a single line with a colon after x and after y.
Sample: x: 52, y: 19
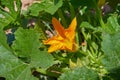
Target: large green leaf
x: 110, y: 43
x: 26, y: 43
x: 23, y: 73
x: 42, y: 59
x: 12, y: 68
x: 80, y: 74
x: 111, y: 48
x: 112, y: 25
x: 9, y: 16
x: 46, y: 5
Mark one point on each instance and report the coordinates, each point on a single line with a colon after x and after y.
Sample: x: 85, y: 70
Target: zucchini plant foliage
x: 24, y: 56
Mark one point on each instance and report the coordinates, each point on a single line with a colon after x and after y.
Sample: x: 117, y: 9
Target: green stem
x: 47, y: 25
x: 83, y: 32
x: 72, y: 11
x: 77, y: 38
x: 92, y: 51
x: 99, y: 14
x: 62, y: 17
x: 92, y: 57
x: 39, y: 26
x: 101, y: 22
x: 49, y: 73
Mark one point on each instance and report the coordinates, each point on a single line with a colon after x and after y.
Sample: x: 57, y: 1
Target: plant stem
x: 77, y: 38
x: 99, y: 14
x: 62, y: 17
x: 72, y: 11
x: 49, y: 73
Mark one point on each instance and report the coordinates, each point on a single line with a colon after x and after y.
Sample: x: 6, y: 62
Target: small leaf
x: 46, y: 5
x: 87, y: 25
x: 26, y: 43
x: 80, y: 74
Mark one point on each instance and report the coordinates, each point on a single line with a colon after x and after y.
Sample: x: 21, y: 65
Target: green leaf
x: 42, y: 59
x: 11, y: 67
x: 24, y: 74
x: 18, y: 5
x: 5, y: 18
x: 3, y: 39
x: 111, y: 48
x: 11, y: 5
x: 46, y: 5
x: 112, y: 25
x: 87, y: 25
x: 9, y: 16
x: 80, y: 74
x: 26, y: 43
x: 7, y: 60
x: 110, y: 43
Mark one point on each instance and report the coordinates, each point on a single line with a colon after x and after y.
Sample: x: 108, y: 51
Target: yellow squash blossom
x: 64, y: 38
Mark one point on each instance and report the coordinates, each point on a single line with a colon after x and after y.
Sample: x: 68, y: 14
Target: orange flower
x: 64, y: 39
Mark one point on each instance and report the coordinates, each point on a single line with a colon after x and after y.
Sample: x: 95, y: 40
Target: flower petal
x: 75, y: 47
x: 70, y: 32
x: 68, y: 44
x: 64, y: 39
x: 73, y: 25
x: 58, y: 27
x: 70, y: 35
x: 54, y: 47
x: 53, y: 40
